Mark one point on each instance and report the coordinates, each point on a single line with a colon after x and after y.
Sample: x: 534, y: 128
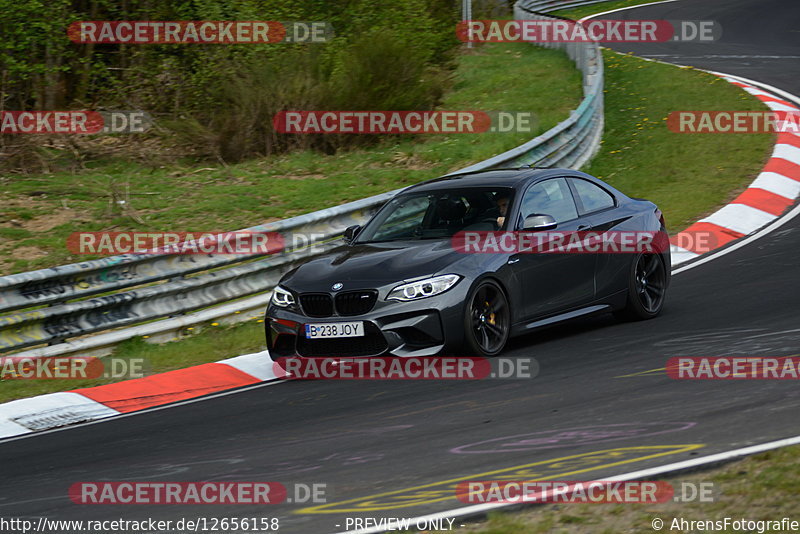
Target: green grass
x: 207, y: 197
x: 583, y: 11
x: 761, y: 487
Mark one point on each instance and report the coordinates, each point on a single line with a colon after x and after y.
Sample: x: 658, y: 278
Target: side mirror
x: 350, y: 233
x: 539, y: 221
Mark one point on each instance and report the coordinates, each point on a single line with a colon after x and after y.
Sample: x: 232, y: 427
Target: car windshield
x: 438, y: 214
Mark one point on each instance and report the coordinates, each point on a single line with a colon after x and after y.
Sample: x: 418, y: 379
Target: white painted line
x: 722, y: 56
x: 777, y: 184
x: 742, y: 242
x: 624, y: 9
x: 258, y: 365
x: 482, y: 509
x: 771, y: 88
x: 681, y: 255
x: 740, y: 218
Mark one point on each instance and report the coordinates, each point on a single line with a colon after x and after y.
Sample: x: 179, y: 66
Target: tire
x: 487, y: 319
x: 647, y: 287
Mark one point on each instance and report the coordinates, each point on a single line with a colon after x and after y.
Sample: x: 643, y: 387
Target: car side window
x: 592, y: 197
x: 550, y: 197
x: 404, y: 218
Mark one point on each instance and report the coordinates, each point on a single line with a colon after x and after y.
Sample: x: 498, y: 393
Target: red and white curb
x: 54, y: 410
x: 770, y: 195
x: 764, y: 201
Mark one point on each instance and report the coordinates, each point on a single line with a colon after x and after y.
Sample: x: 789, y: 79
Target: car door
x: 552, y: 282
x: 598, y: 207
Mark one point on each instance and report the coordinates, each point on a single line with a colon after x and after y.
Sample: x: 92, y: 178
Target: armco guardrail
x: 52, y: 305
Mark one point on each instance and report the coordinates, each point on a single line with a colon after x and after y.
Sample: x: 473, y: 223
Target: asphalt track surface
x: 363, y: 438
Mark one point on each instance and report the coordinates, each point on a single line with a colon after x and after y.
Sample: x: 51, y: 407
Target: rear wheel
x: 647, y: 287
x: 487, y: 319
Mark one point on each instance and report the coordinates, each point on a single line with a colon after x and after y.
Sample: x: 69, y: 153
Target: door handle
x: 583, y: 227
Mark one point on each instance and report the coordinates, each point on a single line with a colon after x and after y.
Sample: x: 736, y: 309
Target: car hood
x: 363, y: 266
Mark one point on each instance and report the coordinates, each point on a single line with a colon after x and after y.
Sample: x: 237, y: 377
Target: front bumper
x: 418, y: 328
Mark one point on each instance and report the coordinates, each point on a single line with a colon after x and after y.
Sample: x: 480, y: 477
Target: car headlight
x: 423, y: 288
x: 282, y: 297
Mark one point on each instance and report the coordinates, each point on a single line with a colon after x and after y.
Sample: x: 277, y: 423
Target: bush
x: 378, y: 71
x: 220, y: 100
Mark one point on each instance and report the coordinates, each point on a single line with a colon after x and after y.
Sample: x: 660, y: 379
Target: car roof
x: 511, y: 178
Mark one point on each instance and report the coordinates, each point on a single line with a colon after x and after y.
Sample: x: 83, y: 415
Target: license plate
x: 329, y: 330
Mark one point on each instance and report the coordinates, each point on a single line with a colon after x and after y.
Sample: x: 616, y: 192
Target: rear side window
x: 593, y: 197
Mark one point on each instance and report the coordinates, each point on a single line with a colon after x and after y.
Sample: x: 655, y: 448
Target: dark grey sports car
x: 400, y: 286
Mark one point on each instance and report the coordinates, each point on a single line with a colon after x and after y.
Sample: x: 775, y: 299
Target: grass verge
x: 760, y: 487
x: 39, y: 212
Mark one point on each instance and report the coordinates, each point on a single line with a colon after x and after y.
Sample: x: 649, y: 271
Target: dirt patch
x: 55, y: 216
x: 49, y: 221
x: 28, y: 253
x: 299, y: 177
x: 405, y: 160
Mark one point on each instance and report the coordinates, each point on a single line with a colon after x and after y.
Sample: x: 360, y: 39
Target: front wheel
x: 487, y: 319
x: 647, y: 287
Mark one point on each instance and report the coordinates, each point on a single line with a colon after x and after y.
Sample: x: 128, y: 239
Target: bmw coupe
x: 400, y: 286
